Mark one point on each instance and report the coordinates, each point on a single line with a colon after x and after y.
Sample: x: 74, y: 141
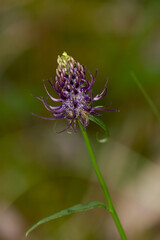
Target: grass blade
x: 145, y: 94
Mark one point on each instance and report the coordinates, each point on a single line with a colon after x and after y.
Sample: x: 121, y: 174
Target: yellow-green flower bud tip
x: 63, y: 60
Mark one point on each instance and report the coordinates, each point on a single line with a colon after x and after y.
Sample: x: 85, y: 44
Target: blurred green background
x: 42, y: 172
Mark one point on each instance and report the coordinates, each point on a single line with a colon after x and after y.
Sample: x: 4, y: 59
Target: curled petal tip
x: 43, y: 117
x: 66, y: 127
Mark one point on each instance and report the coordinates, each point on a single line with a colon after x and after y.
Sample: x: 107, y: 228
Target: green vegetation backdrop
x: 42, y: 172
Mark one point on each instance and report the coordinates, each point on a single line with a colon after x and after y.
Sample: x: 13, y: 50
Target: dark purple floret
x: 75, y: 93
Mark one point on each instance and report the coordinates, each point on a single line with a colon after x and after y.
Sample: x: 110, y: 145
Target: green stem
x: 103, y: 184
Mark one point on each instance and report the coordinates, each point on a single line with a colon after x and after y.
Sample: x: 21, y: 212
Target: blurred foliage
x: 42, y: 172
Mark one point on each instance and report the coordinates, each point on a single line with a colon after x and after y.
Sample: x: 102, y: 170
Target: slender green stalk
x: 103, y: 184
x: 147, y: 97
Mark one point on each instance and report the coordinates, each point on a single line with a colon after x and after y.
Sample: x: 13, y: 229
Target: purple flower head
x: 75, y: 93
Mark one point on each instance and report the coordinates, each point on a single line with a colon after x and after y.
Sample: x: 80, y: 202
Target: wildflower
x: 75, y: 93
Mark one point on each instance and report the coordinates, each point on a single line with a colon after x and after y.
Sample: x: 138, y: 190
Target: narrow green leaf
x: 103, y: 126
x: 147, y: 97
x: 68, y: 211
